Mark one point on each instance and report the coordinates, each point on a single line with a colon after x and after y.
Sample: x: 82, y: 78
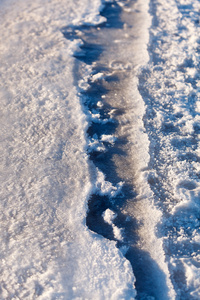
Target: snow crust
x: 47, y: 252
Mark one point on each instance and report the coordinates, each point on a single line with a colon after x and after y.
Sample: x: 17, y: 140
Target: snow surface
x: 46, y: 178
x: 47, y: 252
x: 169, y: 85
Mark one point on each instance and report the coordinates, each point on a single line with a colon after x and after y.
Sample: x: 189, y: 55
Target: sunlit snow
x: 100, y: 151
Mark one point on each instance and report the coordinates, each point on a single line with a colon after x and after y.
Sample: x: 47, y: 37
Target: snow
x: 104, y: 187
x: 108, y: 138
x: 47, y: 178
x: 47, y: 252
x: 169, y: 86
x: 109, y: 217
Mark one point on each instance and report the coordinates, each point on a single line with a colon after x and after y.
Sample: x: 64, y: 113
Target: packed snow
x: 170, y: 87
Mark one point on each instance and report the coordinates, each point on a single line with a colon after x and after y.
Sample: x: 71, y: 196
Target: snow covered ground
x: 47, y: 252
x: 170, y: 87
x: 100, y: 157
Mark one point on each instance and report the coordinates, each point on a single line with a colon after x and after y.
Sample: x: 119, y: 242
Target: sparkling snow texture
x: 47, y: 252
x: 170, y: 87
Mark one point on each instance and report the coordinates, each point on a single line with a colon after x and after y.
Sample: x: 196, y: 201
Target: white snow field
x: 149, y: 71
x: 47, y: 251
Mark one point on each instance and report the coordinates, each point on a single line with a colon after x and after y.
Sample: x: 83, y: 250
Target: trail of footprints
x: 94, y: 80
